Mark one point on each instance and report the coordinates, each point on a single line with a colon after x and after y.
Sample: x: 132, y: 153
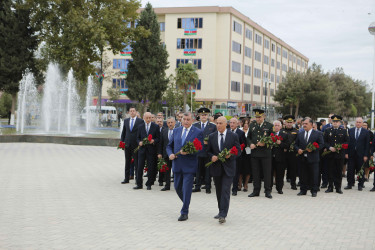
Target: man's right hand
x: 346, y: 156
x: 214, y: 158
x: 300, y: 151
x: 172, y: 157
x: 333, y: 149
x: 252, y: 146
x: 140, y: 144
x: 159, y: 156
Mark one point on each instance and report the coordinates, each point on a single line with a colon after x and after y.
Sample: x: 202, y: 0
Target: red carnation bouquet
x: 312, y: 146
x: 223, y: 154
x: 121, y: 145
x: 162, y: 165
x: 191, y: 147
x: 338, y: 147
x: 242, y: 146
x: 145, y: 141
x: 267, y: 140
x: 276, y: 138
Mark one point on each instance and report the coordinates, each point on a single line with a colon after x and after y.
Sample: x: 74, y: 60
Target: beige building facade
x: 238, y: 61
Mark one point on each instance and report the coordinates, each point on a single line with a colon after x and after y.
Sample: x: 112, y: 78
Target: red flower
x: 316, y: 145
x: 280, y: 138
x: 272, y: 134
x: 146, y: 170
x: 132, y: 160
x: 121, y: 145
x: 234, y: 151
x: 242, y: 146
x: 149, y: 138
x: 197, y: 144
x: 344, y: 146
x: 273, y: 138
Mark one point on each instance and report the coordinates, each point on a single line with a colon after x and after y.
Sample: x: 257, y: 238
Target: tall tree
x: 146, y: 77
x: 186, y: 77
x: 18, y: 43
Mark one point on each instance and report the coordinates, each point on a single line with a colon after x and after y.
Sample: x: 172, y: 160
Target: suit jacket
x: 208, y: 129
x: 361, y: 146
x: 130, y: 137
x: 335, y: 136
x: 164, y: 140
x: 315, y: 136
x: 154, y: 130
x: 278, y: 153
x: 229, y: 165
x: 242, y: 139
x: 184, y: 163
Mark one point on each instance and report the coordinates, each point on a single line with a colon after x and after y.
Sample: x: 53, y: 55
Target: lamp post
x: 266, y: 93
x: 371, y: 29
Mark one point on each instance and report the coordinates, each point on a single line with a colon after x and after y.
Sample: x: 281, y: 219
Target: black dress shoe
x: 372, y: 189
x: 216, y: 217
x: 298, y: 184
x: 165, y: 189
x: 148, y: 187
x: 301, y: 193
x: 279, y: 191
x: 196, y: 190
x: 245, y: 190
x: 208, y: 191
x: 324, y: 186
x: 339, y: 191
x: 234, y: 193
x: 288, y: 180
x: 268, y: 195
x: 360, y: 188
x: 348, y: 187
x: 125, y: 182
x: 222, y: 220
x: 294, y: 187
x: 329, y: 190
x: 137, y: 187
x: 183, y: 217
x: 160, y: 184
x: 313, y: 194
x: 253, y: 194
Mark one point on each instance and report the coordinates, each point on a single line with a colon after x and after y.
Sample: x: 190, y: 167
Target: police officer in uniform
x: 261, y: 156
x: 291, y: 158
x: 335, y: 160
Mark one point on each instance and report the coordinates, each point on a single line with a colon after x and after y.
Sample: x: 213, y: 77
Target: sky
x: 332, y: 33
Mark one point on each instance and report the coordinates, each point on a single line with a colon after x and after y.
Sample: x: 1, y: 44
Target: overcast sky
x: 332, y: 33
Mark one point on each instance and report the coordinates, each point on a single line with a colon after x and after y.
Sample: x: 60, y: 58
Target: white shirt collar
x: 225, y: 133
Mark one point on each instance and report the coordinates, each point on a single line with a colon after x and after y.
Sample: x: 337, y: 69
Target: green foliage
x: 114, y: 94
x: 186, y: 76
x: 228, y: 117
x: 5, y: 104
x: 146, y: 77
x: 173, y: 96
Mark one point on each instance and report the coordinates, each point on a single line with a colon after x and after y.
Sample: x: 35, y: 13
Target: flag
x: 123, y: 73
x: 190, y: 52
x: 126, y: 53
x: 189, y: 32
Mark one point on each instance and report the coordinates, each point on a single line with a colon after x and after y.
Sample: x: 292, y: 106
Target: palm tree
x: 186, y: 76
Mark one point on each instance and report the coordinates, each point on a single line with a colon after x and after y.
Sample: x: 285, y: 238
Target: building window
x: 196, y: 62
x: 119, y: 83
x: 248, y: 52
x: 265, y: 75
x: 237, y: 27
x: 249, y: 34
x: 278, y: 65
x: 236, y: 67
x: 273, y: 47
x: 258, y: 39
x: 248, y: 70
x: 162, y: 26
x: 199, y: 85
x: 285, y: 54
x: 266, y: 44
x: 284, y: 67
x: 121, y: 63
x: 278, y: 50
x: 256, y: 90
x: 272, y: 78
x: 272, y: 62
x: 299, y: 62
x: 294, y: 59
x: 258, y: 56
x: 246, y: 88
x: 235, y: 86
x: 257, y: 73
x: 272, y: 92
x: 265, y: 59
x: 277, y: 79
x: 290, y: 57
x: 303, y: 63
x: 189, y: 43
x: 236, y: 47
x: 189, y: 23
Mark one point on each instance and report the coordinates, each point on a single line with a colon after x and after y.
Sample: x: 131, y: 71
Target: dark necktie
x: 306, y: 134
x: 356, y: 134
x: 222, y: 142
x: 202, y: 126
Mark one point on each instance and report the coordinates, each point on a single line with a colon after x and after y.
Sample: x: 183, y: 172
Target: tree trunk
x: 145, y: 107
x: 14, y: 101
x: 297, y: 109
x: 290, y: 108
x: 185, y: 96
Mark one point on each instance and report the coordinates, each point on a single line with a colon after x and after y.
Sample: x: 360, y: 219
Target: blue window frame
x: 199, y: 85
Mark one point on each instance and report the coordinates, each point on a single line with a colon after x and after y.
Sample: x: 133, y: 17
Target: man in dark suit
x: 184, y: 166
x: 357, y: 152
x: 309, y: 160
x: 203, y: 172
x: 222, y: 172
x: 335, y: 160
x: 291, y: 159
x: 233, y: 124
x: 166, y: 134
x: 129, y: 136
x: 147, y: 151
x: 279, y: 156
x: 161, y: 116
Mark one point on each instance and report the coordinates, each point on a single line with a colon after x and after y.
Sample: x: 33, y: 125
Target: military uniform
x: 290, y: 157
x: 261, y: 157
x: 335, y: 160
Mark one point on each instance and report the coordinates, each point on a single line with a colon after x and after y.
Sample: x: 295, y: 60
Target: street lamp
x: 371, y: 29
x: 266, y: 93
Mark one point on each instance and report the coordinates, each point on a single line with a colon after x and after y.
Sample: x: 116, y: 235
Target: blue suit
x: 357, y: 149
x: 184, y: 166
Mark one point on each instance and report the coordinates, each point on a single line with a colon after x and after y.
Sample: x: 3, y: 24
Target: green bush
x: 5, y: 104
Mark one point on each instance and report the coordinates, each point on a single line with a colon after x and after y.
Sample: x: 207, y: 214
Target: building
x: 240, y: 64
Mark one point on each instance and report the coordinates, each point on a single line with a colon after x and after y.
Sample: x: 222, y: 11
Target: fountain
x: 89, y: 94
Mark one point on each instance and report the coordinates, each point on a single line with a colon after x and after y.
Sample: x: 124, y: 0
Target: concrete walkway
x: 70, y: 197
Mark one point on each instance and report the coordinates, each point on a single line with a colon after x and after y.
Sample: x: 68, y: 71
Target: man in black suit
x: 279, y: 155
x: 309, y: 160
x: 291, y: 159
x: 129, y: 136
x: 147, y: 151
x: 203, y: 173
x: 161, y: 116
x: 162, y: 151
x: 233, y: 124
x: 222, y: 172
x: 357, y: 152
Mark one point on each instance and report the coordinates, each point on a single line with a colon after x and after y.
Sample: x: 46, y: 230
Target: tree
x: 186, y: 77
x: 146, y: 77
x: 114, y: 94
x: 18, y: 43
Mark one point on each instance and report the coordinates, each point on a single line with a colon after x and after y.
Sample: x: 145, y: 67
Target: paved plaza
x: 70, y: 197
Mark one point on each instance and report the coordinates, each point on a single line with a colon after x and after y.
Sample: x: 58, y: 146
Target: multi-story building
x: 239, y: 63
